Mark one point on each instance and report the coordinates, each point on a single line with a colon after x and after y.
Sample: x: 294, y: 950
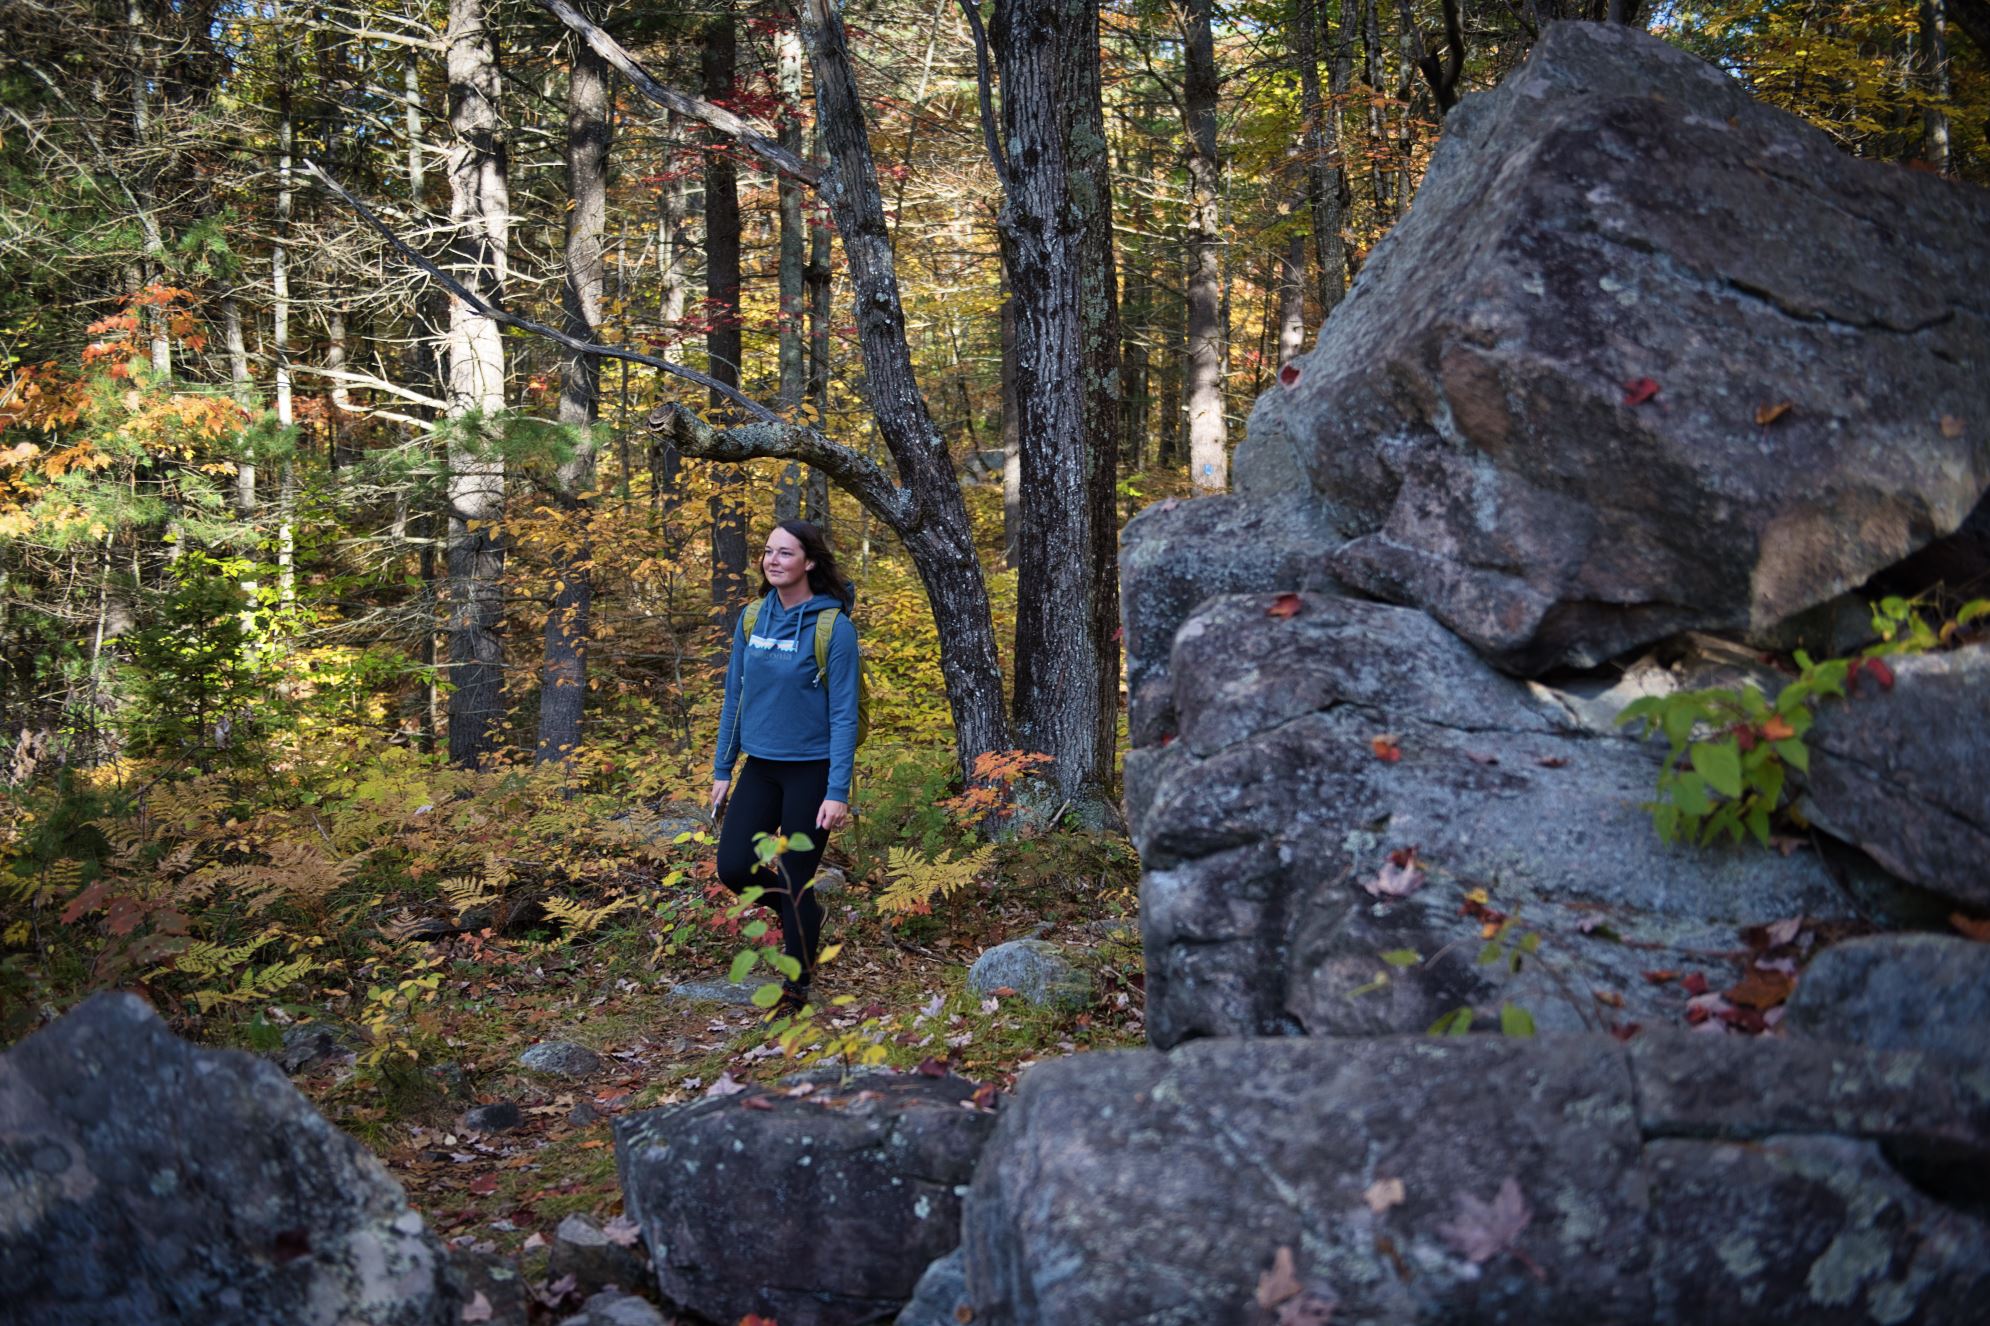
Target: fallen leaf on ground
x: 1385, y: 748
x: 1779, y: 933
x: 1971, y: 927
x: 727, y: 1085
x: 984, y: 1096
x: 1398, y: 878
x: 1761, y: 989
x: 1608, y: 998
x: 1483, y: 1230
x: 484, y: 1185
x: 622, y: 1232
x: 1660, y: 977
x: 1553, y: 761
x: 931, y: 1067
x: 1695, y: 983
x: 1281, y: 1282
x: 1284, y: 606
x: 1639, y: 390
x: 1383, y: 1194
x: 533, y: 1242
x: 1769, y: 414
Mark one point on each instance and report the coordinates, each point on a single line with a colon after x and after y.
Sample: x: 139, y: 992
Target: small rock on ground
x: 616, y: 1310
x: 1036, y: 969
x: 561, y: 1059
x: 497, y: 1117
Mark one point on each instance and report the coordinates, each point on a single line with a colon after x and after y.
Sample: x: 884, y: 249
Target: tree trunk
x: 1324, y: 182
x: 479, y: 214
x: 1136, y: 320
x: 719, y: 64
x: 563, y: 675
x: 1292, y: 300
x: 1012, y: 445
x: 820, y: 289
x: 1208, y: 436
x: 279, y: 279
x: 673, y: 244
x: 1056, y: 225
x: 935, y: 529
x: 788, y: 72
x: 1932, y: 61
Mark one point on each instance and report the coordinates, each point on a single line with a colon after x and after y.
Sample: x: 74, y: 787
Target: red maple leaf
x: 1639, y: 390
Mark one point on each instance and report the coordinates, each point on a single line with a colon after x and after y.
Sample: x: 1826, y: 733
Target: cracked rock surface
x: 1259, y: 824
x: 1905, y: 772
x: 1620, y: 213
x: 1151, y: 1188
x: 818, y: 1209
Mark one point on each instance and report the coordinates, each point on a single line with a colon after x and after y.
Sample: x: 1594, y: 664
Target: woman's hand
x: 720, y: 786
x: 833, y: 815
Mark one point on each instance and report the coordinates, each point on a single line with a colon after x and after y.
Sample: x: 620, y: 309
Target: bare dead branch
x: 745, y: 132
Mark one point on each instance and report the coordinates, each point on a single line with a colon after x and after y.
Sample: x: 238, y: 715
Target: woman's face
x: 783, y: 562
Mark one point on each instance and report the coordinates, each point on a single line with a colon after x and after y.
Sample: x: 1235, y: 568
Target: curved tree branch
x: 984, y: 80
x: 747, y: 134
x: 855, y: 473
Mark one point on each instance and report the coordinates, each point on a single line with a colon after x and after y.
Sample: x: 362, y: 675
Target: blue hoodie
x: 786, y: 714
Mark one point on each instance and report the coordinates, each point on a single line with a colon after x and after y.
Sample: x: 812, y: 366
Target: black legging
x: 783, y: 795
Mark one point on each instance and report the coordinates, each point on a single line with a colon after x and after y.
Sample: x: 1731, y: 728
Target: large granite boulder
x: 143, y: 1180
x: 1315, y: 745
x: 1898, y: 992
x: 1905, y: 772
x: 1408, y: 1179
x: 1175, y: 554
x: 1645, y: 355
x: 818, y: 1208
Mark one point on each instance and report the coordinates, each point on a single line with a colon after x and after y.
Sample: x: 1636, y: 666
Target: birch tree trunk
x: 1292, y: 300
x: 563, y: 674
x: 1056, y: 223
x: 788, y: 78
x: 479, y: 214
x: 719, y: 64
x: 279, y: 280
x: 1932, y: 61
x: 1208, y: 435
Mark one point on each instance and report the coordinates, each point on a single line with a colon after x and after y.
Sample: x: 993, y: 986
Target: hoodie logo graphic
x: 759, y: 641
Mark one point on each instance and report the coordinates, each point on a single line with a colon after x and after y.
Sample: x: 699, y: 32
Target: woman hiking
x: 796, y: 723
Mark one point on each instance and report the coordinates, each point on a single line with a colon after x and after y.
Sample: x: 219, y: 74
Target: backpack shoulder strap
x: 749, y: 617
x: 825, y: 626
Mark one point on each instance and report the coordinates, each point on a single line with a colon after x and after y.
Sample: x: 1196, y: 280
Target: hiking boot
x: 794, y: 997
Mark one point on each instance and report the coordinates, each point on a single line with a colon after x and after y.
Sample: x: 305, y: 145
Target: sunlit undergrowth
x: 322, y: 870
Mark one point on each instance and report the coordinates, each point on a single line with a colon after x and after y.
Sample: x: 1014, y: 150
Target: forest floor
x: 896, y: 993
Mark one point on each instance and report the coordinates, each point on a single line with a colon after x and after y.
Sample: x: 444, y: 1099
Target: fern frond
x: 915, y: 879
x: 578, y: 917
x: 466, y: 893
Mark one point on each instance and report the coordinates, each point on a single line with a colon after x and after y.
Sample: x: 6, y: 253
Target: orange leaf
x: 1285, y: 605
x: 1769, y: 414
x: 1385, y: 748
x: 1777, y: 728
x: 1761, y: 989
x: 1970, y: 926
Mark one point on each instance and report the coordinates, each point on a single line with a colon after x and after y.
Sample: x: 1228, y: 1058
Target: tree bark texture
x: 1056, y: 223
x: 719, y: 64
x: 1208, y: 434
x: 1292, y: 300
x: 930, y: 518
x: 1326, y: 182
x: 563, y: 674
x: 821, y: 283
x: 1932, y: 64
x: 479, y: 215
